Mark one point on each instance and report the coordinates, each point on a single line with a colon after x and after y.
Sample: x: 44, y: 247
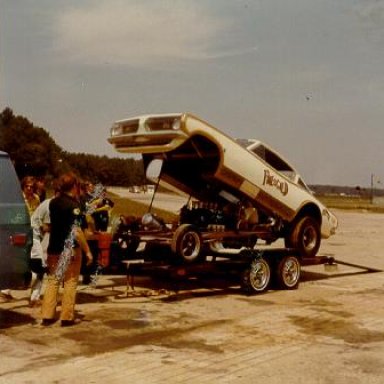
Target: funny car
x: 241, y: 190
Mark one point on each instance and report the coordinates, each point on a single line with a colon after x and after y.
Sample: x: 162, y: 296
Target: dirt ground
x: 329, y: 330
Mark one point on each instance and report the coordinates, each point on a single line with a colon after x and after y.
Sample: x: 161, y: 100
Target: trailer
x: 256, y: 271
x: 188, y: 250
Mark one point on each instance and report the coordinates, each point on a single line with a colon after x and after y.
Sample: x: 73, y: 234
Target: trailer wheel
x: 288, y: 273
x: 256, y: 278
x: 187, y: 243
x: 305, y: 237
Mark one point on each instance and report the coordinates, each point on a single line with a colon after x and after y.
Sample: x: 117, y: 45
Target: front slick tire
x: 305, y: 237
x: 256, y: 277
x: 288, y: 272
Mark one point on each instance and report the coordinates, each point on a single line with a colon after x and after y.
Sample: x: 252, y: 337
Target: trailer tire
x: 305, y: 237
x: 187, y: 243
x: 288, y: 272
x: 256, y: 278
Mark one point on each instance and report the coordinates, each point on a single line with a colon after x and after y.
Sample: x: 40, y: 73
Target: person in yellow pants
x: 66, y: 238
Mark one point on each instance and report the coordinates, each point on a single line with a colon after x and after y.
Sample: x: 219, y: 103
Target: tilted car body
x: 266, y: 193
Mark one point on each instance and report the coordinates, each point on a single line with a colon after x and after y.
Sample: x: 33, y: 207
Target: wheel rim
x: 259, y: 275
x: 290, y: 272
x: 190, y: 245
x: 309, y: 238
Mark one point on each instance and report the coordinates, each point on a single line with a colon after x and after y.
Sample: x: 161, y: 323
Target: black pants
x: 88, y: 270
x: 37, y: 266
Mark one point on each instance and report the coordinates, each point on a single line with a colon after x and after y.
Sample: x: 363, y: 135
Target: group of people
x: 64, y: 227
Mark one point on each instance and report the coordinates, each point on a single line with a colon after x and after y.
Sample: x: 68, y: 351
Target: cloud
x: 371, y: 14
x: 140, y: 33
x: 372, y: 11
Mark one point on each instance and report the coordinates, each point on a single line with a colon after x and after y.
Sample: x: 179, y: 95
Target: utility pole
x: 372, y: 178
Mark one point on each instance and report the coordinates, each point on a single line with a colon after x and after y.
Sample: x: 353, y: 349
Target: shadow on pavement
x: 10, y: 318
x: 315, y: 276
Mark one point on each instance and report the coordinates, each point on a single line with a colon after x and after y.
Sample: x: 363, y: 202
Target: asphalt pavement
x: 206, y: 330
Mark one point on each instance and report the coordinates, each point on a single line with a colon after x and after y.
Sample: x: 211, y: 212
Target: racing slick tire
x: 256, y: 278
x: 305, y: 237
x: 187, y: 243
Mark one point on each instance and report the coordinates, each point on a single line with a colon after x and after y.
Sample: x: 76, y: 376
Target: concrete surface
x: 329, y: 330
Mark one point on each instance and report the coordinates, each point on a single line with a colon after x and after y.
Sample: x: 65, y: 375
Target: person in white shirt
x: 40, y: 222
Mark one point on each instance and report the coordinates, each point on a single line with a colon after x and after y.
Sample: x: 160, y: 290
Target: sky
x: 304, y: 76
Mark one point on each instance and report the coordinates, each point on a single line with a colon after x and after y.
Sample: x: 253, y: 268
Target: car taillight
x: 19, y: 239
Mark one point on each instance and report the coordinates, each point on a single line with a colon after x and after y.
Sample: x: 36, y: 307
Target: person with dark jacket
x: 66, y: 243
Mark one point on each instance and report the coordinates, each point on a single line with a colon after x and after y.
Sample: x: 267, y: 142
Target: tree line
x: 35, y: 153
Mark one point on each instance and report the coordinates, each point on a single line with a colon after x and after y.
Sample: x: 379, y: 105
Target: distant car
x: 15, y: 229
x: 254, y: 188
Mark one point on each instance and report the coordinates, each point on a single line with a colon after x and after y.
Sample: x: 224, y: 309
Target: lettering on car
x: 273, y: 181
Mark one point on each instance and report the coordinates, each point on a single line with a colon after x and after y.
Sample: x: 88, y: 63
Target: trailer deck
x: 257, y: 270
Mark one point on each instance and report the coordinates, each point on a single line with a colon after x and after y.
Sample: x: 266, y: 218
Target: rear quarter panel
x: 255, y: 178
